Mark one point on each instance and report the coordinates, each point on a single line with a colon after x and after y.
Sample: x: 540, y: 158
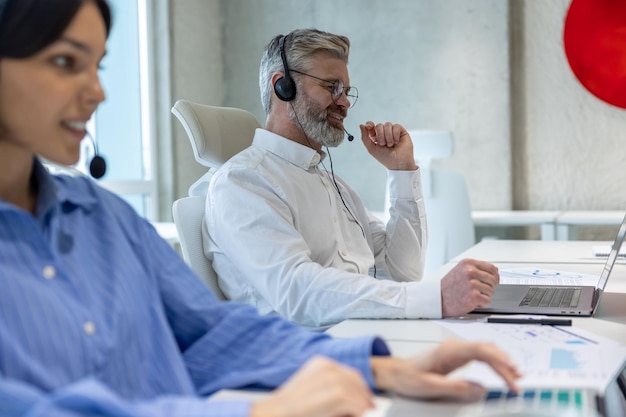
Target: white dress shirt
x: 283, y: 239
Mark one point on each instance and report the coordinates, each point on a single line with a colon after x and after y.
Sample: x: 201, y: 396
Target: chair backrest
x: 429, y: 145
x: 448, y: 210
x: 188, y: 213
x: 215, y: 133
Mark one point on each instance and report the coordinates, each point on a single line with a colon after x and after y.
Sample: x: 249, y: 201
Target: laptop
x: 556, y: 300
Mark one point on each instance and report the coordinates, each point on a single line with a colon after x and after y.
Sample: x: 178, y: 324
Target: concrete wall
x: 425, y: 64
x: 197, y: 72
x: 570, y: 146
x: 527, y: 134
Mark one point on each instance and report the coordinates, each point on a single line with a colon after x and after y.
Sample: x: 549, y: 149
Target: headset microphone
x: 350, y: 137
x: 97, y: 166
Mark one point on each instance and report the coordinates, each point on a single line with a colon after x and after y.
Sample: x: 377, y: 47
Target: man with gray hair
x: 290, y: 237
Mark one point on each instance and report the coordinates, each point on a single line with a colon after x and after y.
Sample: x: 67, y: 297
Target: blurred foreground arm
x: 326, y: 388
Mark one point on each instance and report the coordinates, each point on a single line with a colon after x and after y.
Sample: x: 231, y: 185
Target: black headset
x: 284, y: 87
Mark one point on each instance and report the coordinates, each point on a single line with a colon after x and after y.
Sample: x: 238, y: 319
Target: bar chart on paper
x: 547, y: 356
x: 565, y: 359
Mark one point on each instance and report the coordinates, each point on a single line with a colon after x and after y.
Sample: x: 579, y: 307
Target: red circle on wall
x: 594, y: 37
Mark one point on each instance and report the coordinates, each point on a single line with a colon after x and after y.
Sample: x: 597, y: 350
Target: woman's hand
x: 321, y: 388
x: 425, y: 376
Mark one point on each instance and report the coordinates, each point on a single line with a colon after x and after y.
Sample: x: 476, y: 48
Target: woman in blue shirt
x: 99, y: 316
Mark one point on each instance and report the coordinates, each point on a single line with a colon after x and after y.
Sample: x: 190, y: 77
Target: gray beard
x: 314, y: 122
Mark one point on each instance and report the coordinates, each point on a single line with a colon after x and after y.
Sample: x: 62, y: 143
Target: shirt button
x: 49, y: 272
x: 335, y: 219
x: 343, y: 253
x: 89, y: 328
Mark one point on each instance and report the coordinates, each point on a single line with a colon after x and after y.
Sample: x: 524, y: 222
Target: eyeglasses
x: 336, y: 88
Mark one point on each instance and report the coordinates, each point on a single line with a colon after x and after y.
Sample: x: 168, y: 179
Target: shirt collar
x: 53, y: 190
x: 292, y: 152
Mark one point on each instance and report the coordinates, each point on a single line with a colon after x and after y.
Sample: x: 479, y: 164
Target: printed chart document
x: 542, y: 276
x: 547, y: 356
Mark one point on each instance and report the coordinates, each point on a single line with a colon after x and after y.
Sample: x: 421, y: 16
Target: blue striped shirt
x: 99, y: 315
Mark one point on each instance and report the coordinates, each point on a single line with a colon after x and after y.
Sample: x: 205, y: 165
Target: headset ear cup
x: 285, y: 89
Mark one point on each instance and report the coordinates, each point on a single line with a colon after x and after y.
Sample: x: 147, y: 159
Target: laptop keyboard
x: 575, y: 400
x: 552, y: 297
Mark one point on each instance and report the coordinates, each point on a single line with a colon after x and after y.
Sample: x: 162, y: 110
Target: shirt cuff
x: 405, y: 185
x: 380, y: 348
x: 423, y: 299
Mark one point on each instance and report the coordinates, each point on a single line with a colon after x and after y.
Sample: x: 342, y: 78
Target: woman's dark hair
x: 28, y: 26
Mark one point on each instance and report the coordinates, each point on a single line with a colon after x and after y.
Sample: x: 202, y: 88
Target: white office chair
x: 216, y: 134
x: 188, y: 213
x: 448, y: 210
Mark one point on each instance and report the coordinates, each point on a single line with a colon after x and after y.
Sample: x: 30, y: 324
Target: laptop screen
x: 612, y: 255
x: 610, y: 262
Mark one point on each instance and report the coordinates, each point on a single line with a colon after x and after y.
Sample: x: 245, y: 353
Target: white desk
x: 567, y: 222
x: 546, y: 220
x: 610, y: 322
x: 422, y: 331
x: 533, y: 251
